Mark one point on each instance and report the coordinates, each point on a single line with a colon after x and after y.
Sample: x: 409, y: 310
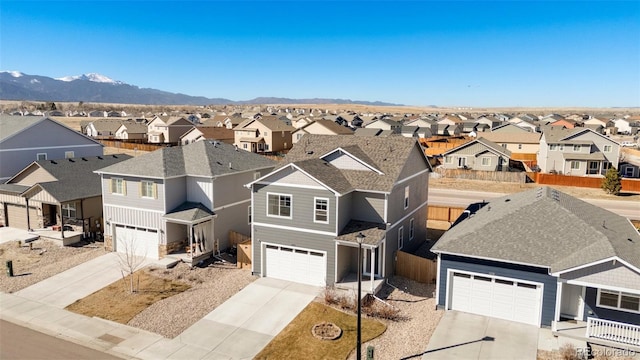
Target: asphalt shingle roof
x: 543, y: 227
x: 201, y: 158
x: 387, y: 155
x: 189, y: 212
x: 11, y: 125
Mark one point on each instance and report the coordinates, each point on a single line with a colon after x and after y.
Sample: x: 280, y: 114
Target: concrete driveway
x: 13, y: 234
x: 243, y: 325
x: 467, y: 336
x: 68, y: 286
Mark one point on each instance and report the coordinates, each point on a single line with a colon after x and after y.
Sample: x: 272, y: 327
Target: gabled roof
x: 387, y: 155
x: 13, y: 125
x: 270, y: 122
x: 489, y: 145
x: 202, y: 158
x: 189, y: 213
x: 543, y: 227
x: 367, y: 132
x: 75, y: 177
x: 525, y: 137
x: 331, y: 126
x: 558, y: 135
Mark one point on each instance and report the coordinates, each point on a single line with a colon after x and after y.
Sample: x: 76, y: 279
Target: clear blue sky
x: 457, y: 53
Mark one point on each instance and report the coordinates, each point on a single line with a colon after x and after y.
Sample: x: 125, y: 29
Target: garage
x: 138, y: 241
x: 295, y: 264
x: 17, y: 216
x: 503, y: 298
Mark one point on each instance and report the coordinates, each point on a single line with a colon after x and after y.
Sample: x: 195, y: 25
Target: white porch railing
x: 613, y: 331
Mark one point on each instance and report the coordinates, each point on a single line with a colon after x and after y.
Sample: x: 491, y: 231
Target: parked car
x: 628, y: 144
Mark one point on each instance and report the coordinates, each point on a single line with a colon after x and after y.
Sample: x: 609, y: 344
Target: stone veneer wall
x: 163, y: 250
x: 108, y: 242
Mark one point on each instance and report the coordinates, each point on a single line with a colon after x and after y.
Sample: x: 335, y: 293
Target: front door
x: 367, y: 261
x: 571, y: 302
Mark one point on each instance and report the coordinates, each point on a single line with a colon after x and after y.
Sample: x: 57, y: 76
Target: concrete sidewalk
x: 237, y: 329
x: 76, y: 283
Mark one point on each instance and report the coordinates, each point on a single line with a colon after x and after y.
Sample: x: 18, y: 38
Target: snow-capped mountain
x: 95, y: 77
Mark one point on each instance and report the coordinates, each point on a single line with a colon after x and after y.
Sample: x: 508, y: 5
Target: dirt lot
x: 44, y: 259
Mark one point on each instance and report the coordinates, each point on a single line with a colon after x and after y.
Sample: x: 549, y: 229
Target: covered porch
x: 599, y: 304
x: 256, y: 144
x: 368, y: 239
x: 585, y: 164
x: 189, y: 233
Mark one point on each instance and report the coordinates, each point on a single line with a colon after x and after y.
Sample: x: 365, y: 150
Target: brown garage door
x: 17, y: 216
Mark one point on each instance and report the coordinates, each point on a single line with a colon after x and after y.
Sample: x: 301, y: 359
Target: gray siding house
x: 478, y: 154
x: 308, y: 213
x: 179, y: 199
x: 578, y: 152
x: 25, y: 139
x: 544, y: 258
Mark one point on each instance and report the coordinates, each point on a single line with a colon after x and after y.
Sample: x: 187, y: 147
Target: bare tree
x: 128, y: 261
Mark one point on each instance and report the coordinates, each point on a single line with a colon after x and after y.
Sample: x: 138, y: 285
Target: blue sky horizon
x: 421, y: 53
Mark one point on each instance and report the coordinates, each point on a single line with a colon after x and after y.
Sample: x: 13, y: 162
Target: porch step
x: 166, y: 262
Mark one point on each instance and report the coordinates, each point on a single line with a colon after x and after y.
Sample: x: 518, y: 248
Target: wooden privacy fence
x: 242, y: 243
x: 416, y: 268
x: 580, y: 181
x: 443, y: 213
x: 130, y: 145
x: 500, y: 176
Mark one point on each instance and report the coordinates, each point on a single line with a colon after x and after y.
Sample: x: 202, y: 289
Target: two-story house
x: 309, y: 214
x: 578, y: 152
x: 179, y: 199
x: 167, y: 130
x: 263, y: 134
x: 25, y: 139
x: 478, y: 154
x: 321, y: 127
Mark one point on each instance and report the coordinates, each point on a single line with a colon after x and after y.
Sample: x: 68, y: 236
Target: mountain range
x: 96, y: 88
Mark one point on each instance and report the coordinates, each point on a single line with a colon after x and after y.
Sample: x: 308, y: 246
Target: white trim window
x: 448, y: 159
x: 411, y: 229
x: 41, y: 156
x: 147, y: 189
x: 279, y: 205
x: 321, y: 210
x: 69, y: 210
x: 69, y: 154
x: 553, y: 147
x: 618, y: 300
x: 400, y: 237
x: 486, y: 160
x: 575, y: 165
x: 406, y: 197
x: 118, y: 186
x: 577, y: 148
x: 607, y: 148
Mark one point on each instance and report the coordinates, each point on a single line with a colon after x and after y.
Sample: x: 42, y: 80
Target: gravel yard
x: 406, y: 338
x: 211, y: 285
x: 45, y: 259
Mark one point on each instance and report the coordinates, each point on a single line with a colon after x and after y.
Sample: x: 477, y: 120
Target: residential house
x: 567, y: 124
x: 510, y: 128
x: 331, y: 192
x: 516, y: 142
x: 24, y: 140
x: 416, y: 131
x: 544, y: 258
x: 449, y: 130
x: 478, y: 154
x: 424, y: 124
x: 131, y: 130
x: 578, y: 152
x: 181, y: 200
x: 385, y: 124
x: 167, y: 129
x: 451, y: 120
x: 321, y: 127
x: 64, y: 193
x: 199, y: 133
x: 472, y: 128
x: 623, y: 125
x: 266, y: 134
x: 367, y: 132
x: 102, y: 128
x: 489, y: 120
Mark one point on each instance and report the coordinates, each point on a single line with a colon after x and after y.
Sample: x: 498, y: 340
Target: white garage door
x: 502, y: 298
x: 138, y: 241
x: 295, y: 264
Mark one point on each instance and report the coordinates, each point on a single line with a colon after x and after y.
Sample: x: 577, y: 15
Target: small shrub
x: 383, y: 311
x: 330, y: 296
x: 569, y: 352
x: 345, y: 303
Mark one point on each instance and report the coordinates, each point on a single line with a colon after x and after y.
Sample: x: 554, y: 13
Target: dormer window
x: 406, y: 197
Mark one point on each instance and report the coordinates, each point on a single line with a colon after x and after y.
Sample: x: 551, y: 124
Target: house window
x: 400, y: 237
x: 462, y: 162
x: 266, y: 133
x: 249, y: 215
x: 69, y: 210
x: 519, y: 146
x: 118, y: 186
x: 256, y: 175
x: 504, y: 146
x: 575, y: 165
x: 321, y: 213
x: 486, y: 161
x: 561, y: 147
x: 448, y: 159
x: 266, y: 147
x: 411, y: 229
x: 279, y: 205
x: 299, y: 136
x: 576, y: 148
x: 69, y: 154
x: 244, y: 146
x: 41, y: 156
x: 553, y: 147
x: 619, y: 300
x: 607, y: 148
x: 147, y: 189
x: 406, y: 197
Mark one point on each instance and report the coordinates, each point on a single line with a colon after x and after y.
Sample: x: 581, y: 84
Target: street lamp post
x: 359, y: 238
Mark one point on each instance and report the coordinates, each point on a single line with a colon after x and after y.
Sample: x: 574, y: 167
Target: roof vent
x: 99, y: 157
x: 71, y: 160
x: 84, y: 159
x: 230, y: 165
x: 53, y: 162
x: 507, y: 200
x: 310, y: 152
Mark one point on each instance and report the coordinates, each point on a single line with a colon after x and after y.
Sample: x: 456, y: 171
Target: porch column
x: 556, y: 317
x: 61, y: 220
x: 191, y: 249
x: 373, y: 267
x: 28, y: 219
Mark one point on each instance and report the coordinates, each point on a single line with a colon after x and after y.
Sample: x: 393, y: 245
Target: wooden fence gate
x: 416, y: 268
x: 242, y: 244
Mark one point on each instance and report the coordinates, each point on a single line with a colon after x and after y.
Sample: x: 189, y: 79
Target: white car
x: 628, y: 144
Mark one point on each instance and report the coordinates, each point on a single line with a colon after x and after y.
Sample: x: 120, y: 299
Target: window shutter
x: 111, y: 185
x: 140, y: 188
x: 124, y: 187
x: 155, y: 190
